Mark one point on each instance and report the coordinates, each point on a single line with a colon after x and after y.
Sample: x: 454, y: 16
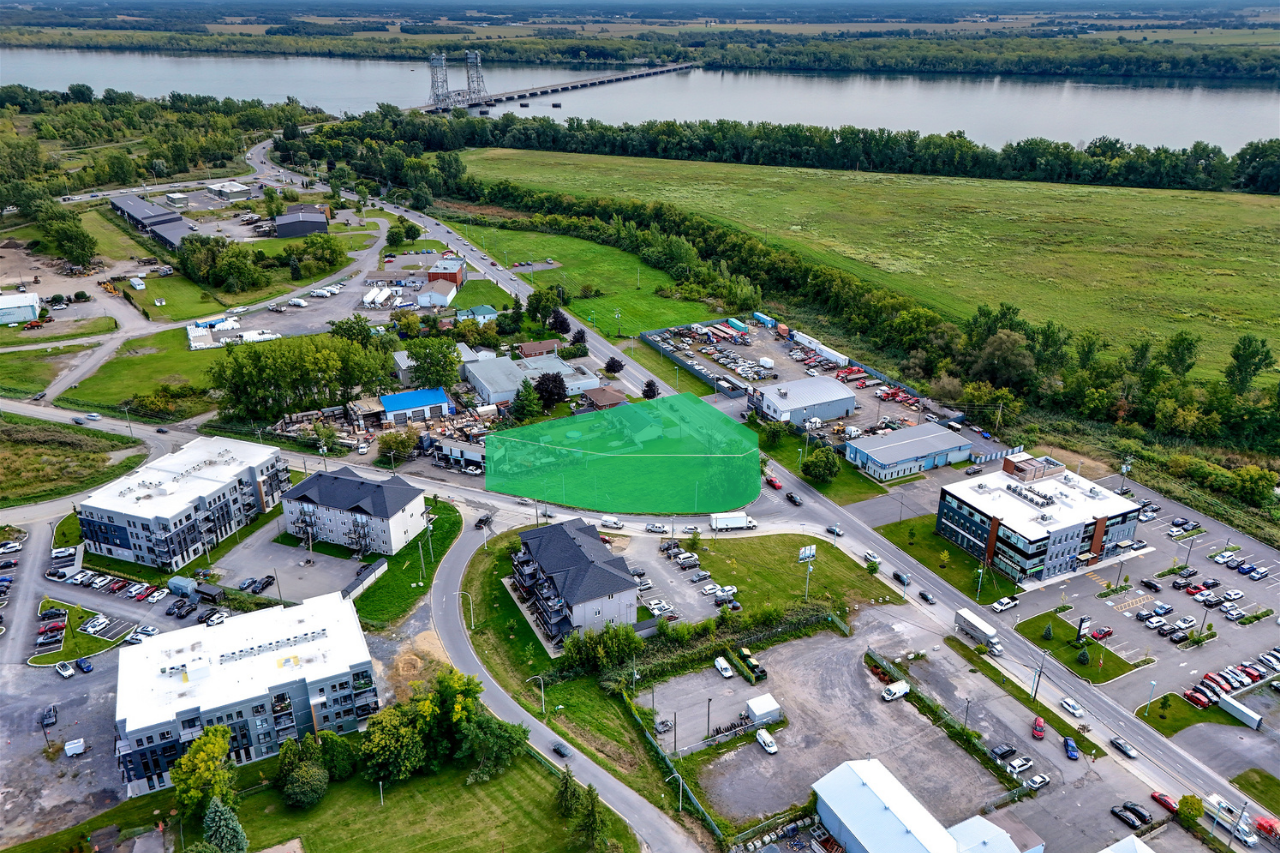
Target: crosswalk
x: 1137, y: 602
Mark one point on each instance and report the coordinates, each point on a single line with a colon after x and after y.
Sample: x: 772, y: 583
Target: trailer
x: 968, y: 622
x: 737, y: 325
x: 732, y: 521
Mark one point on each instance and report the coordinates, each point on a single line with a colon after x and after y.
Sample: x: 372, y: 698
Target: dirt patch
x: 292, y: 846
x: 140, y: 351
x: 484, y: 209
x: 1090, y: 468
x: 417, y: 660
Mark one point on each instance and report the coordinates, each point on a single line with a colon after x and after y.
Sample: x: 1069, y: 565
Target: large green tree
x: 492, y: 743
x: 204, y: 772
x: 822, y: 465
x: 527, y: 404
x: 392, y: 747
x: 592, y: 822
x: 222, y: 828
x: 1249, y: 357
x: 306, y: 786
x: 435, y: 362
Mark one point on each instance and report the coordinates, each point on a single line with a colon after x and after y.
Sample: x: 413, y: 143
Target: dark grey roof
x: 142, y: 211
x: 346, y: 490
x: 172, y: 232
x: 301, y: 217
x: 577, y: 562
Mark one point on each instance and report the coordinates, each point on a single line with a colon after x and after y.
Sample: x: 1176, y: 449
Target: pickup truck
x: 1005, y: 604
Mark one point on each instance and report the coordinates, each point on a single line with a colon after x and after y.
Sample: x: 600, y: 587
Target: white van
x: 610, y: 522
x: 895, y: 691
x: 722, y: 666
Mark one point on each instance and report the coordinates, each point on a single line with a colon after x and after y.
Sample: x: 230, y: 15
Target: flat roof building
x: 497, y: 380
x: 19, y: 307
x: 301, y: 224
x: 420, y: 405
x: 816, y: 397
x: 907, y: 451
x: 268, y: 675
x: 176, y: 199
x: 141, y: 213
x: 345, y: 508
x: 1033, y: 519
x: 305, y: 207
x: 453, y: 269
x: 230, y: 191
x: 173, y: 509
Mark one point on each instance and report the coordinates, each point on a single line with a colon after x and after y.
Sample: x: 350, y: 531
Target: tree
x: 200, y: 847
x: 1005, y: 360
x: 1253, y: 485
x: 517, y: 310
x: 287, y: 762
x: 1190, y: 810
x: 591, y: 823
x: 309, y: 749
x: 1083, y: 657
x: 772, y: 433
x: 436, y: 362
x: 392, y: 747
x: 271, y: 199
x: 822, y: 465
x: 559, y: 323
x: 295, y: 268
x: 579, y: 336
x: 395, y: 236
x: 568, y: 793
x: 1179, y: 353
x: 222, y: 828
x: 551, y: 389
x: 306, y: 786
x: 650, y: 390
x: 541, y: 305
x: 695, y: 539
x: 354, y: 328
x: 493, y: 743
x: 944, y: 558
x: 1048, y: 632
x: 74, y: 243
x: 204, y: 772
x: 337, y: 756
x: 401, y: 443
x: 412, y: 231
x: 1249, y: 357
x: 614, y: 365
x: 527, y: 404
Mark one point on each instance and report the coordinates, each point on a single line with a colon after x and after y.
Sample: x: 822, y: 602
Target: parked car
x: 246, y: 583
x: 1037, y: 782
x: 1073, y: 752
x: 64, y: 669
x: 1154, y: 586
x: 1003, y: 752
x: 84, y: 664
x: 1165, y: 800
x: 766, y: 740
x: 1020, y: 765
x: 1123, y: 814
x: 50, y: 716
x: 1101, y: 633
x: 1037, y: 728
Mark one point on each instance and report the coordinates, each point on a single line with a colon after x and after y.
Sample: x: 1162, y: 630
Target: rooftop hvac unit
x: 782, y: 392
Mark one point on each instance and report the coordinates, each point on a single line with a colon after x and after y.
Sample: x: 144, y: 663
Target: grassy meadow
x: 41, y: 460
x: 25, y: 372
x: 1123, y: 259
x: 142, y: 365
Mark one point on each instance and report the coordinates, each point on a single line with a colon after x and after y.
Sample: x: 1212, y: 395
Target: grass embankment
x: 141, y: 366
x: 1103, y: 665
x: 765, y: 571
x: 849, y: 486
x: 1037, y: 708
x: 1261, y: 786
x: 74, y: 644
x: 961, y: 568
x: 627, y: 283
x: 40, y: 461
x: 57, y: 331
x: 956, y: 243
x: 24, y: 372
x: 665, y: 369
x: 481, y: 292
x: 1181, y: 714
x: 393, y: 595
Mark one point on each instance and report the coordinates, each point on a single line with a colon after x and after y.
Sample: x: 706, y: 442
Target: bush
x: 1083, y: 657
x: 306, y: 786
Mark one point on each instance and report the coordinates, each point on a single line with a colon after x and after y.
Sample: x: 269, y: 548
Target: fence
x: 372, y: 573
x: 936, y: 711
x: 698, y: 370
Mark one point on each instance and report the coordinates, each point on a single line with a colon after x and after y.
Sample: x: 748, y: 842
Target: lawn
x: 666, y: 370
x: 393, y: 595
x: 425, y: 814
x: 1176, y: 260
x: 1262, y: 786
x: 627, y: 283
x: 74, y: 644
x: 113, y: 243
x: 184, y: 299
x: 1181, y: 714
x: 765, y: 571
x: 24, y: 372
x: 142, y: 365
x: 40, y: 460
x: 481, y: 292
x: 1104, y: 664
x: 961, y: 569
x: 849, y: 486
x: 57, y: 332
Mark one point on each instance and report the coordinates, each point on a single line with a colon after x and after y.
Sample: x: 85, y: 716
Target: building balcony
x: 123, y: 748
x: 189, y: 735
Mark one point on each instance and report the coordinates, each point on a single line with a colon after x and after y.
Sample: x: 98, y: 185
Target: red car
x: 145, y: 593
x: 1195, y: 699
x: 1101, y: 633
x: 1165, y: 800
x: 1037, y: 728
x: 1251, y: 672
x: 1195, y: 590
x: 773, y: 481
x: 52, y: 626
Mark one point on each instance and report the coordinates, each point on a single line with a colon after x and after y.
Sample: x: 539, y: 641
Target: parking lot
x: 258, y: 556
x: 670, y: 583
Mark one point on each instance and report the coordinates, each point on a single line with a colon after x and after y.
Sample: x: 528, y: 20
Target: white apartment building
x: 367, y: 516
x: 172, y: 510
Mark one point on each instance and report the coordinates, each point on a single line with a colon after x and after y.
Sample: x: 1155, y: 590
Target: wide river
x: 992, y: 110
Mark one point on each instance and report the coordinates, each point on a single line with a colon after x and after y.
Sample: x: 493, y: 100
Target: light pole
x: 128, y: 420
x: 472, y: 605
x: 1035, y: 687
x: 966, y: 715
x: 543, y: 690
x: 680, y: 804
x: 1150, y: 696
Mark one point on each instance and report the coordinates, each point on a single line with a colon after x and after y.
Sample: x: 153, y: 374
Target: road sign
x: 807, y: 553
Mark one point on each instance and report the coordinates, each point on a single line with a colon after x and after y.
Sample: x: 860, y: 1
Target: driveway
x: 259, y: 556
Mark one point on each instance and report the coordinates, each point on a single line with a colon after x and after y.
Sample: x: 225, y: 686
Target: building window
x: 597, y: 611
x: 239, y: 715
x: 139, y: 741
x: 166, y: 736
x: 325, y: 718
x: 150, y: 740
x: 259, y: 710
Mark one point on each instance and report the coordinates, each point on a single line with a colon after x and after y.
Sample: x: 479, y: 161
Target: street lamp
x: 542, y: 689
x: 680, y: 804
x: 1150, y: 696
x: 472, y: 604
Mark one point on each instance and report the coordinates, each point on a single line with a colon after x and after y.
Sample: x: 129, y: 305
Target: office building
x: 367, y: 516
x: 1035, y: 520
x: 170, y: 511
x: 907, y: 451
x: 816, y: 397
x: 230, y: 191
x: 267, y: 675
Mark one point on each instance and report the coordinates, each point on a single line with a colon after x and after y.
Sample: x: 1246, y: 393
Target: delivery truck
x: 895, y: 691
x: 732, y: 521
x: 967, y: 622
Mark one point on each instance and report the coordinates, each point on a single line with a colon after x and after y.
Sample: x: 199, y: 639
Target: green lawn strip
x: 58, y: 331
x: 594, y: 722
x: 849, y: 486
x: 765, y: 571
x: 24, y: 372
x: 184, y: 299
x: 1181, y: 714
x: 665, y: 369
x: 393, y: 595
x: 629, y: 285
x: 288, y: 540
x: 67, y: 533
x: 1103, y: 665
x: 426, y: 814
x: 1261, y: 786
x: 961, y: 570
x: 74, y: 644
x: 113, y: 242
x: 142, y: 365
x: 1037, y: 708
x: 481, y: 292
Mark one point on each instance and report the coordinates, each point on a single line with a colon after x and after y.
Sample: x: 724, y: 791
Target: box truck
x: 732, y: 521
x: 967, y: 622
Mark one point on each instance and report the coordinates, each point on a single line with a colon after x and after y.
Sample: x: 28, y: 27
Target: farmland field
x: 1138, y: 260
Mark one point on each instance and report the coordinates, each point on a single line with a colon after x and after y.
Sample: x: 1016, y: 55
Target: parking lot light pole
x: 543, y: 690
x: 680, y: 804
x: 1150, y: 696
x: 473, y: 609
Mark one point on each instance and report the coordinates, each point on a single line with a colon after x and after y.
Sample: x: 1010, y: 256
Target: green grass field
x: 627, y: 283
x: 961, y: 570
x: 1139, y: 260
x: 393, y: 595
x: 1262, y: 786
x: 1181, y: 714
x: 25, y: 372
x: 74, y: 644
x: 849, y: 486
x: 1103, y: 665
x: 112, y: 242
x: 665, y: 369
x: 481, y: 292
x: 184, y: 299
x: 41, y: 460
x: 1207, y: 36
x: 57, y: 332
x: 425, y: 814
x: 143, y: 364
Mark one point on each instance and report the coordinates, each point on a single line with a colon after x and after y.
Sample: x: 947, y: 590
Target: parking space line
x: 1137, y: 602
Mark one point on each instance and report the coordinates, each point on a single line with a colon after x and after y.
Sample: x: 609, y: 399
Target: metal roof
x: 420, y: 399
x: 910, y: 443
x: 448, y: 265
x: 801, y: 393
x: 172, y: 232
x: 875, y: 807
x: 979, y: 835
x: 143, y: 211
x: 301, y: 217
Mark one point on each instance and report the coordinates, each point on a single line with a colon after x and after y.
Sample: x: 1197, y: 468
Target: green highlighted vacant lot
x: 670, y: 455
x: 1103, y: 664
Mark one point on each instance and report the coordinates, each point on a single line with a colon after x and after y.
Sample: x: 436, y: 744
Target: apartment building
x: 345, y: 508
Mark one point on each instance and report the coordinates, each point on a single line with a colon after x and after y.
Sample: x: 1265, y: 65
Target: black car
x: 1180, y: 583
x: 1178, y: 522
x: 205, y: 616
x: 78, y: 421
x: 8, y: 564
x: 484, y: 521
x: 1188, y: 572
x: 1143, y: 615
x: 268, y: 582
x: 52, y: 613
x: 49, y: 717
x: 1122, y: 813
x: 1178, y: 636
x: 39, y: 396
x: 1166, y: 630
x: 186, y: 611
x: 1003, y: 752
x: 1153, y: 508
x: 927, y: 598
x: 1213, y: 601
x: 795, y: 499
x: 1210, y: 583
x: 174, y: 607
x: 1191, y: 525
x: 561, y: 750
x: 1150, y: 584
x: 1235, y: 563
x: 162, y: 430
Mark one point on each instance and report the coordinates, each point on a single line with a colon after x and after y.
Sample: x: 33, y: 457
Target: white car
x: 728, y: 590
x: 1004, y: 604
x: 1072, y: 707
x: 10, y: 547
x: 1184, y: 623
x: 157, y: 596
x: 711, y: 589
x: 217, y: 619
x: 766, y: 740
x: 238, y: 310
x: 362, y: 449
x: 1020, y: 765
x: 1156, y: 622
x: 298, y: 303
x: 1035, y: 783
x: 871, y: 557
x: 1224, y: 558
x: 1232, y: 595
x: 65, y: 669
x: 722, y: 666
x: 147, y: 631
x: 94, y: 416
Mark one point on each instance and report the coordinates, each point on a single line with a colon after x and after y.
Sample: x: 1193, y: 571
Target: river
x: 992, y: 110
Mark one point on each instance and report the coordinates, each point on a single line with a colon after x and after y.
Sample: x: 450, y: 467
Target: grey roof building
x: 497, y: 380
x: 907, y: 451
x: 367, y: 516
x: 301, y: 224
x: 142, y: 213
x: 171, y: 233
x: 576, y: 582
x: 345, y: 489
x: 817, y: 397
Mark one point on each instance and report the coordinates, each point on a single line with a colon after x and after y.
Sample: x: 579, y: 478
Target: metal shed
x: 185, y: 587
